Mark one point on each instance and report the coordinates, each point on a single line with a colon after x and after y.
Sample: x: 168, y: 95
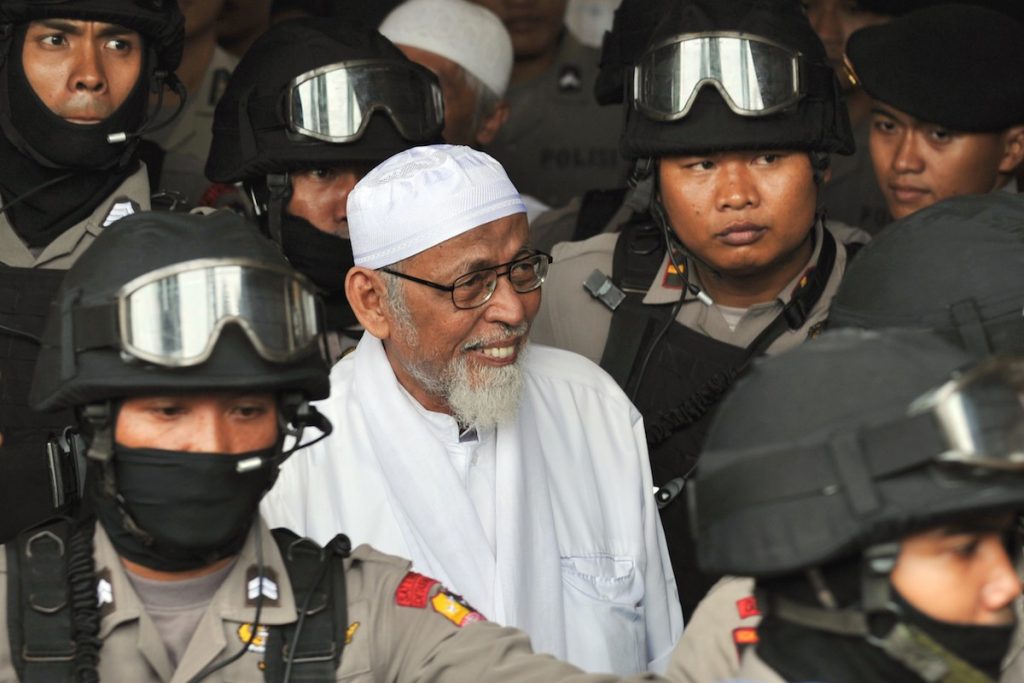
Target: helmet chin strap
x: 280, y: 189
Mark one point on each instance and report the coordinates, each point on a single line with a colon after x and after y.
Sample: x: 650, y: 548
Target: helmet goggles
x: 174, y: 316
x: 334, y: 103
x: 755, y: 76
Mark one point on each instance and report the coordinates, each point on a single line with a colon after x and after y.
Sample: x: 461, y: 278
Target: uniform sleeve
x: 723, y: 624
x: 423, y: 633
x: 662, y: 610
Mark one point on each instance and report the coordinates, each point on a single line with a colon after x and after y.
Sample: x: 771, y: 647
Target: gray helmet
x: 954, y: 268
x: 814, y: 119
x: 841, y: 449
x: 115, y: 326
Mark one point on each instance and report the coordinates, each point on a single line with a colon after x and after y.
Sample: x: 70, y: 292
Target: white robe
x: 578, y: 557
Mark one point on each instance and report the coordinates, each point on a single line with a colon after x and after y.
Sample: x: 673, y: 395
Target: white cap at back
x: 423, y: 196
x: 469, y: 35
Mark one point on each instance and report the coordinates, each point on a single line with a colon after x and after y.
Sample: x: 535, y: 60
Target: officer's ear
x: 1013, y: 150
x: 367, y: 295
x: 490, y: 126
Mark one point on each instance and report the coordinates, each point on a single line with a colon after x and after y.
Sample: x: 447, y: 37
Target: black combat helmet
x: 763, y: 55
x: 849, y: 444
x: 256, y: 130
x: 179, y: 302
x: 953, y: 267
x: 841, y: 450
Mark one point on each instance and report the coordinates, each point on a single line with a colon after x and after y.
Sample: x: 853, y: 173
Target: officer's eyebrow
x: 74, y: 28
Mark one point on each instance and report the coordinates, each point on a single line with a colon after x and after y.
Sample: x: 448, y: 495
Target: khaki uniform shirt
x: 130, y: 196
x: 401, y: 627
x: 570, y: 318
x: 753, y: 670
x: 722, y: 628
x: 558, y: 142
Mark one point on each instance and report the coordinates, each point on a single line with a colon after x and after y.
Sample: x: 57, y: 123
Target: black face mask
x: 983, y: 647
x: 192, y: 508
x: 323, y: 258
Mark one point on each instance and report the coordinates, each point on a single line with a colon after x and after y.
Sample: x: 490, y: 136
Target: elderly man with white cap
x: 515, y: 473
x: 469, y: 50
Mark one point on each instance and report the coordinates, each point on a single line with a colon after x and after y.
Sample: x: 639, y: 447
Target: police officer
x: 904, y: 278
x: 729, y: 260
x: 557, y: 142
x: 187, y: 346
x: 297, y: 163
x: 948, y: 103
x: 76, y: 80
x: 873, y: 494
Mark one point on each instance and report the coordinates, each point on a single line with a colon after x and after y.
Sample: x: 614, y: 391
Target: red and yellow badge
x: 456, y: 610
x: 673, y: 278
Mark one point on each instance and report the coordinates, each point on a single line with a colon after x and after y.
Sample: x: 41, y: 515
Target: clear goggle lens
x: 174, y: 318
x: 334, y: 103
x: 754, y: 76
x: 981, y: 414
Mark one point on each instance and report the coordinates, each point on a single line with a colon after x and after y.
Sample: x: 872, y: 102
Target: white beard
x: 480, y: 397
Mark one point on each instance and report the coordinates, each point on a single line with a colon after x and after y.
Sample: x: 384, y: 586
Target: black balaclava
x: 39, y: 146
x: 213, y: 505
x: 325, y: 259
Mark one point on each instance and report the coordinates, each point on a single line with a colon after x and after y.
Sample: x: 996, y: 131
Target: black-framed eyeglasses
x: 476, y: 287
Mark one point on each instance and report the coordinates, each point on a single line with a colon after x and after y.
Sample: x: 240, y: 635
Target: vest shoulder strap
x: 39, y: 627
x: 311, y: 648
x: 638, y: 254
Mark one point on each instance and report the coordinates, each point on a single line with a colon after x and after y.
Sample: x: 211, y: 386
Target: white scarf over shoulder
x: 578, y: 561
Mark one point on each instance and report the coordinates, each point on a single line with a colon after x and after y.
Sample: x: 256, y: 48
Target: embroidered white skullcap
x: 423, y: 196
x: 469, y: 35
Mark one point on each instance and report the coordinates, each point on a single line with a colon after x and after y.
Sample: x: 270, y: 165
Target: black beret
x: 956, y: 65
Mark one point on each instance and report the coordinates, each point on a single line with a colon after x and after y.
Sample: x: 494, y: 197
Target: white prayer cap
x: 423, y: 196
x: 469, y: 35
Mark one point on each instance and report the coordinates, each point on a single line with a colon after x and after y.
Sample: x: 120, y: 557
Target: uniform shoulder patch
x: 414, y: 591
x: 456, y: 610
x: 747, y: 607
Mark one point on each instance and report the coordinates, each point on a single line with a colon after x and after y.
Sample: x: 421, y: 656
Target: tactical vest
x: 25, y: 298
x: 42, y: 589
x: 686, y: 375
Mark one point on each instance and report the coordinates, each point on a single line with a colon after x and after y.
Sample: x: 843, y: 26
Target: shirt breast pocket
x: 604, y: 612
